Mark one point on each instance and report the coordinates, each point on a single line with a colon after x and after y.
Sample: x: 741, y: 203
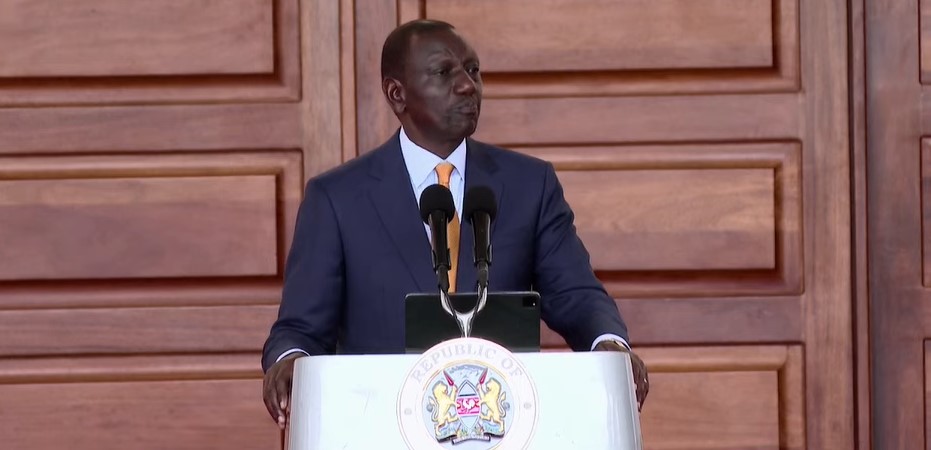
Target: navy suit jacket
x: 360, y: 247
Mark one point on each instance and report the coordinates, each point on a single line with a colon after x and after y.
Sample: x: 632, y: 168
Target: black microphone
x: 480, y: 208
x: 437, y: 210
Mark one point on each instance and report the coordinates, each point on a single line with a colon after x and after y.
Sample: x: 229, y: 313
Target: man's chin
x: 468, y: 128
x: 459, y: 129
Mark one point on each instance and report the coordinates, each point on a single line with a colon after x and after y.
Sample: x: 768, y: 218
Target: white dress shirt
x: 421, y: 168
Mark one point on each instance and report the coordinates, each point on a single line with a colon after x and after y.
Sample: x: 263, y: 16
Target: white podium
x: 474, y: 396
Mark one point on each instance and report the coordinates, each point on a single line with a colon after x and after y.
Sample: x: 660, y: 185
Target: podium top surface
x: 567, y: 400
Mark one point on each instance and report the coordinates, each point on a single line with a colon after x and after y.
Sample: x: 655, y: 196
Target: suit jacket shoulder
x: 349, y: 173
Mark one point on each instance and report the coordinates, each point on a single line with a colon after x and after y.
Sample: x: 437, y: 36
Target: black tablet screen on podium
x: 510, y: 319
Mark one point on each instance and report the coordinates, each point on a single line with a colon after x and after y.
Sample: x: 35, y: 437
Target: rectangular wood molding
x: 726, y: 214
x: 179, y: 402
x: 191, y: 51
x: 625, y: 46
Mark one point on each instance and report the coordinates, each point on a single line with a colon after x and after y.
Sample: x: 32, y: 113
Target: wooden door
x: 704, y: 147
x: 898, y: 180
x: 152, y: 157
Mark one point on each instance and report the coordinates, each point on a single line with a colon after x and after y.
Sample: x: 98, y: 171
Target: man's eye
x: 474, y: 70
x: 442, y: 72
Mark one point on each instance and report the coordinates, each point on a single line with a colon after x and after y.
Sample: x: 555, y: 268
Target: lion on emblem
x: 492, y: 398
x: 442, y: 401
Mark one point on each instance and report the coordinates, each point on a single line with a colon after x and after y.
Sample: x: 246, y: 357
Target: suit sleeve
x: 312, y: 297
x: 574, y: 303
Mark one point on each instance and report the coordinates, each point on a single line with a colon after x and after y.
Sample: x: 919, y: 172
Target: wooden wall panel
x: 529, y: 101
x: 692, y: 217
x: 547, y: 104
x: 926, y: 377
x: 898, y: 126
x: 827, y: 299
x: 127, y: 129
x: 626, y: 47
x: 142, y: 415
x: 186, y: 170
x: 139, y: 227
x: 519, y: 122
x: 186, y: 215
x: 675, y: 219
x: 724, y: 398
x: 681, y: 317
x: 517, y: 36
x: 139, y: 292
x: 279, y: 206
x: 203, y: 401
x: 142, y: 330
x: 862, y: 336
x: 643, y: 116
x: 926, y: 210
x: 52, y: 38
x: 924, y: 41
x: 90, y: 52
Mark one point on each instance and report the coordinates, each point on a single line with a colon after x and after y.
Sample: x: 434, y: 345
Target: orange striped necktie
x: 443, y: 172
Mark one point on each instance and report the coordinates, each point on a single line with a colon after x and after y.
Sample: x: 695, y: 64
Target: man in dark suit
x: 360, y: 246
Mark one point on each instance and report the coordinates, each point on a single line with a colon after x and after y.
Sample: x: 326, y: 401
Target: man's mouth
x: 468, y: 110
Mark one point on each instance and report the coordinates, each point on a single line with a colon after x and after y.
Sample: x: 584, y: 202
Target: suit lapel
x: 480, y: 171
x: 394, y: 200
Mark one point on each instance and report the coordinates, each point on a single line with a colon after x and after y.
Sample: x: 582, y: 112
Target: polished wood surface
x: 152, y: 160
x: 861, y: 303
x: 655, y: 65
x: 159, y: 414
x: 739, y: 397
x: 191, y: 227
x: 141, y: 130
x: 717, y: 219
x: 724, y: 174
x: 641, y: 196
x: 896, y: 128
x: 926, y: 210
x: 135, y: 330
x: 861, y: 324
x: 187, y: 402
x: 94, y: 52
x: 518, y: 122
x: 608, y: 34
x: 49, y: 38
x: 924, y: 12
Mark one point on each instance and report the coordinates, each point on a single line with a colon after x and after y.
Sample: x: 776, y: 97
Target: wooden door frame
x: 894, y: 100
x: 859, y: 271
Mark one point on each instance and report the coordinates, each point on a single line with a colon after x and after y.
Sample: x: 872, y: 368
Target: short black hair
x: 394, y: 52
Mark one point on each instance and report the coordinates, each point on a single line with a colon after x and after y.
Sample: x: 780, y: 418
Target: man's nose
x: 465, y: 85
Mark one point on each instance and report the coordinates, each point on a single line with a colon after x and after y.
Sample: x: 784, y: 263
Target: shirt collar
x: 421, y: 162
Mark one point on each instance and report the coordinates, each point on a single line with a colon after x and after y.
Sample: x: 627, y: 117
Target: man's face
x: 443, y: 87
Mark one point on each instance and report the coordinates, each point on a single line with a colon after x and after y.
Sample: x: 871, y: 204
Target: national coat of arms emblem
x: 467, y: 394
x: 467, y: 403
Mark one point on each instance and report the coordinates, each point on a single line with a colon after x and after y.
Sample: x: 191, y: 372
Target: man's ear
x: 394, y: 93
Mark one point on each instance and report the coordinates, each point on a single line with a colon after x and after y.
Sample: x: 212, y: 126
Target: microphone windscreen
x: 480, y: 198
x: 436, y: 197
